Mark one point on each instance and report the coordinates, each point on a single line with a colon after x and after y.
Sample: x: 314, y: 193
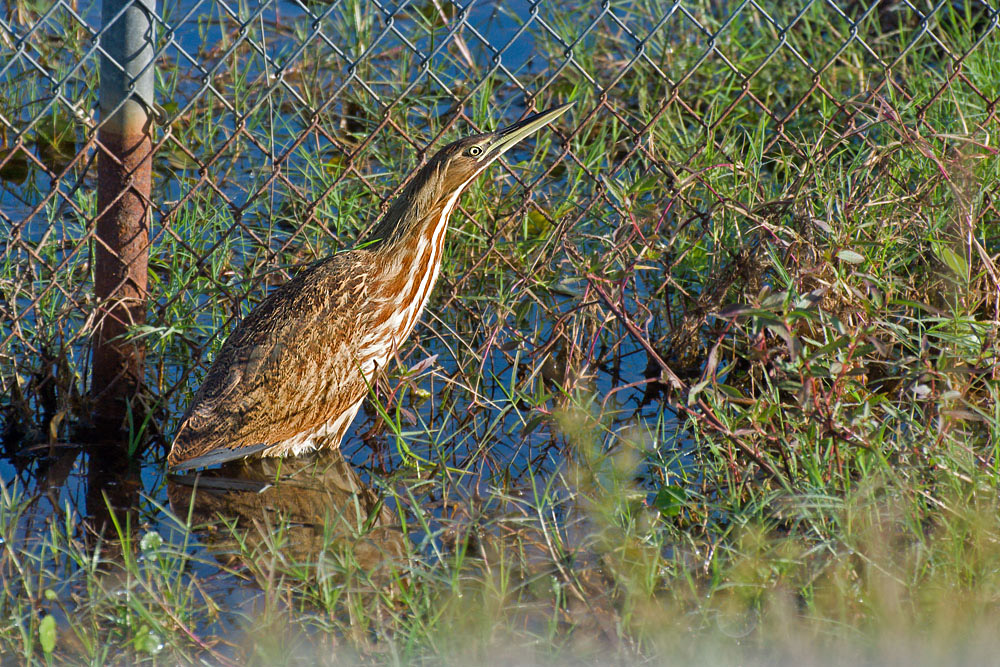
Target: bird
x: 293, y: 373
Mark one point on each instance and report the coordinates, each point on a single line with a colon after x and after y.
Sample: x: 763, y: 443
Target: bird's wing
x: 288, y: 367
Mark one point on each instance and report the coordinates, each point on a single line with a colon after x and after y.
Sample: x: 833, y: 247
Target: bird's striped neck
x: 407, y: 267
x: 412, y: 262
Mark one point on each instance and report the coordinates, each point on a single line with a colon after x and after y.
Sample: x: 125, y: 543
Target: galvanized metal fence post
x: 123, y: 200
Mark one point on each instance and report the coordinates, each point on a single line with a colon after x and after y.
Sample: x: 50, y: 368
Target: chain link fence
x: 281, y: 129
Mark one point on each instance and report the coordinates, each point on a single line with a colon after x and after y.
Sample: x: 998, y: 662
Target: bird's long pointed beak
x: 506, y: 138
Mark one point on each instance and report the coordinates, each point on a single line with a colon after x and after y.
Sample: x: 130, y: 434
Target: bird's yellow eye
x: 475, y: 151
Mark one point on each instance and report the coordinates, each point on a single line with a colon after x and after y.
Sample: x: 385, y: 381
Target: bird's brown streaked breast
x: 407, y: 283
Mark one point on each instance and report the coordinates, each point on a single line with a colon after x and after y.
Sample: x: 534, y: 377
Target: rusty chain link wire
x: 282, y: 128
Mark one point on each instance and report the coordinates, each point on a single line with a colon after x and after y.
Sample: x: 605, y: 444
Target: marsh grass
x: 718, y: 384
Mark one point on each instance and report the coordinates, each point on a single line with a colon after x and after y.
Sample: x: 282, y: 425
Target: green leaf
x: 178, y: 159
x: 670, y: 500
x: 534, y: 423
x: 732, y: 392
x: 47, y: 633
x: 147, y: 641
x: 837, y: 344
x: 151, y: 541
x: 537, y: 225
x: 954, y: 261
x: 734, y: 310
x: 850, y: 257
x: 775, y: 300
x: 697, y: 389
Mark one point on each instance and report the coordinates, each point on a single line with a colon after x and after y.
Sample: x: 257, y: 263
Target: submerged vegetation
x: 711, y: 372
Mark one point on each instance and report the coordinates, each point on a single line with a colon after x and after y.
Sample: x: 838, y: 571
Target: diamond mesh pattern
x: 285, y: 128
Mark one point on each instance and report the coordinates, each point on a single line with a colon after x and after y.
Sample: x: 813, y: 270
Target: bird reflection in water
x: 319, y: 501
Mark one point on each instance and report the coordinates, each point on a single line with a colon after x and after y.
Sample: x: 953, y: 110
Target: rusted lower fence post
x: 123, y: 197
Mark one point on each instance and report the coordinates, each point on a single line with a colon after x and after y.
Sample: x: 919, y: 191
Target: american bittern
x: 292, y: 375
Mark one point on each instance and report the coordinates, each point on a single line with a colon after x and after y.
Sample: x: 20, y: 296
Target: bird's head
x: 463, y: 160
x: 452, y: 168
